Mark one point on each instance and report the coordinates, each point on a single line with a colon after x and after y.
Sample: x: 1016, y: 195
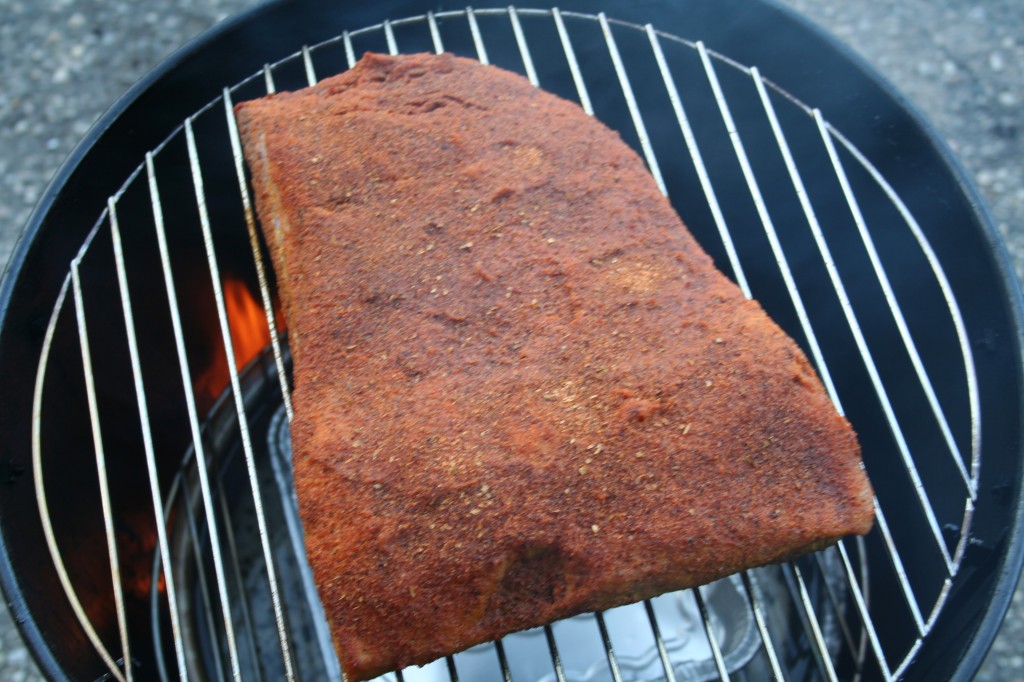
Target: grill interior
x: 163, y: 354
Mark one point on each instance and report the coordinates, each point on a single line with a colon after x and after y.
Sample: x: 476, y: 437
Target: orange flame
x: 249, y: 335
x: 248, y: 323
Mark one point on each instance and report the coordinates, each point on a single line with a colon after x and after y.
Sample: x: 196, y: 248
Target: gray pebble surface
x: 64, y: 62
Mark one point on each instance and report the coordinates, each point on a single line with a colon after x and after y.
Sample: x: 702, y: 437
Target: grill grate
x: 753, y: 153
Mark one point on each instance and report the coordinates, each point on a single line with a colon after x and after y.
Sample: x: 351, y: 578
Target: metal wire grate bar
x: 750, y: 586
x: 574, y: 66
x: 894, y: 306
x: 478, y: 40
x: 193, y: 418
x: 709, y: 630
x: 609, y: 650
x: 517, y: 28
x: 955, y: 313
x: 823, y: 657
x: 816, y: 613
x: 769, y: 226
x: 862, y: 609
x: 254, y: 240
x: 666, y: 664
x: 147, y: 435
x: 634, y: 110
x: 243, y: 421
x: 204, y: 594
x: 698, y: 161
x: 101, y: 467
x: 41, y: 497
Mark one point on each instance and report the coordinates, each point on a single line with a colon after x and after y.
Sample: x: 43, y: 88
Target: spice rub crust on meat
x: 522, y: 390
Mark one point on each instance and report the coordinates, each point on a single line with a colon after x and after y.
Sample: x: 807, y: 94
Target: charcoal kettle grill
x: 148, y: 527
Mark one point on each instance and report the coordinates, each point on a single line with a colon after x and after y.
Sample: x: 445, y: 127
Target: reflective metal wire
x: 574, y: 67
x: 666, y: 663
x: 101, y: 467
x: 239, y: 398
x: 204, y: 586
x: 613, y: 662
x: 698, y: 161
x: 254, y: 244
x: 556, y: 660
x: 709, y: 632
x: 478, y: 41
x: 865, y: 616
x: 202, y: 465
x: 41, y: 497
x: 147, y: 438
x: 244, y: 597
x: 824, y: 657
x: 751, y: 587
x: 524, y: 50
x: 634, y: 108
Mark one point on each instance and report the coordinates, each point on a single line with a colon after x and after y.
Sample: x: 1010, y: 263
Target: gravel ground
x: 63, y: 62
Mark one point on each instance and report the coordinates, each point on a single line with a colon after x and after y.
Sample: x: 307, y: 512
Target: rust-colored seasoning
x: 522, y: 390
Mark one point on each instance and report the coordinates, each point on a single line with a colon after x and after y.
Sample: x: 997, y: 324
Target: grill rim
x: 1009, y: 296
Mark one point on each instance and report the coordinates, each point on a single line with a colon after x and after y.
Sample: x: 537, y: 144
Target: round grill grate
x: 164, y: 339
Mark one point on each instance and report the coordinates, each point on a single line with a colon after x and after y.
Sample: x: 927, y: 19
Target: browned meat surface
x: 522, y: 390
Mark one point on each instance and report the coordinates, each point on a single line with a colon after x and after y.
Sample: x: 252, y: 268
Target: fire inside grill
x: 207, y: 576
x: 249, y: 335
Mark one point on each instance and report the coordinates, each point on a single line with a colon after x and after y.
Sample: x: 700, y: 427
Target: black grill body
x: 788, y: 52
